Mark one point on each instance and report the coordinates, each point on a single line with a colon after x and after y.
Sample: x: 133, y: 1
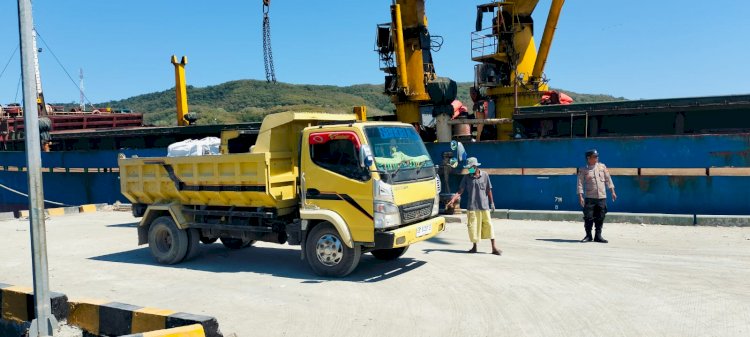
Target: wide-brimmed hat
x: 472, y: 161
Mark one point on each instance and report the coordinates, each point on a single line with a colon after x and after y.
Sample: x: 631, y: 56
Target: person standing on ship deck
x: 593, y: 181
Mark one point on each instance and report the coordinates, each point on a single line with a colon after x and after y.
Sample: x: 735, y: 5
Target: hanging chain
x: 267, y: 52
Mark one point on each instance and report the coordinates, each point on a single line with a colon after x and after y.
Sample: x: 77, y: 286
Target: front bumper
x: 407, y: 235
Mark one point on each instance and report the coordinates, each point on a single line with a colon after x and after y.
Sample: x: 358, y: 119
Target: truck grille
x: 416, y: 211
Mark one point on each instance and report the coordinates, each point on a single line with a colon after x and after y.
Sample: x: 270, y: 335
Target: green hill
x: 250, y: 100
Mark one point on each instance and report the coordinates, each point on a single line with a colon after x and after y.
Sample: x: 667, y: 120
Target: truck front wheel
x: 327, y: 254
x: 168, y: 243
x: 389, y: 254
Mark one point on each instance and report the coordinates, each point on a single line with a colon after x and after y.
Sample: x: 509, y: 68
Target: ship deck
x: 131, y: 137
x: 692, y: 115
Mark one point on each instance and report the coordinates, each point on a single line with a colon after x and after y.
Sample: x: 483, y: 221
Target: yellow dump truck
x: 337, y: 186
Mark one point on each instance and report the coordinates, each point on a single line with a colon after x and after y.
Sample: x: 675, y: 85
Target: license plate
x: 424, y: 230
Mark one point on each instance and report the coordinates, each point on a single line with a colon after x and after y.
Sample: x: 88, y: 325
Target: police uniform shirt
x: 593, y: 181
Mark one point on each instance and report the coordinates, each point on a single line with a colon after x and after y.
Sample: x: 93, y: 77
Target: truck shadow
x: 454, y: 251
x: 439, y: 240
x: 281, y: 262
x: 124, y: 225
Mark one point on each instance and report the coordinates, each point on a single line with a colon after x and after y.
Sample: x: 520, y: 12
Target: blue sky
x: 636, y: 49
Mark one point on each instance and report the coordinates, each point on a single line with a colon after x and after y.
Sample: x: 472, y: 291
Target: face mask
x: 473, y: 170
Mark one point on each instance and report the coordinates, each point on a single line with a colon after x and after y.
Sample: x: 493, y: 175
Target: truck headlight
x: 386, y: 215
x: 382, y: 191
x: 436, y: 203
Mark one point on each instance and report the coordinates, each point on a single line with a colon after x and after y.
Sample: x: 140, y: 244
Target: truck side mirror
x: 365, y: 156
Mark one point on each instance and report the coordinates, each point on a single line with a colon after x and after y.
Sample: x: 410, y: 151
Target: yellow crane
x: 405, y: 48
x: 511, y: 70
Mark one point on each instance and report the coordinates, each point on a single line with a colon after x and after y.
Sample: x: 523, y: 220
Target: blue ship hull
x: 85, y: 177
x: 693, y: 193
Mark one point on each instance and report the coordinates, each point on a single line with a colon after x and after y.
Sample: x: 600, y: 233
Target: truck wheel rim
x: 163, y: 240
x: 329, y: 250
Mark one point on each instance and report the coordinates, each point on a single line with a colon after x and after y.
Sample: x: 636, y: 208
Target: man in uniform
x: 479, y: 201
x: 593, y: 181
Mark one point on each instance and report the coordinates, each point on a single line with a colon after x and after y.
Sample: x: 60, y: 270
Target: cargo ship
x: 677, y: 155
x: 696, y: 168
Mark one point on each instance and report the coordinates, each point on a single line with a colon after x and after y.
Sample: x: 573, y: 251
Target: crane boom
x: 549, y: 35
x: 510, y: 70
x: 405, y: 48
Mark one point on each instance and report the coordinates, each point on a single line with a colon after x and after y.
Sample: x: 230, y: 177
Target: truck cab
x: 374, y: 183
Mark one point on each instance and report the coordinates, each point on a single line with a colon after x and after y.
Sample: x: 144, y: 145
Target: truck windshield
x: 399, y: 152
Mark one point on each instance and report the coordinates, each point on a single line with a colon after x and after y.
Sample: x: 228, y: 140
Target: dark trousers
x: 594, y: 211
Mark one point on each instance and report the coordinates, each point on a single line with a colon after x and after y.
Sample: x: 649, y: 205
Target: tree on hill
x: 251, y: 100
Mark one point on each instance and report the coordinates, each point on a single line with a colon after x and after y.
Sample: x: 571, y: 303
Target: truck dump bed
x: 241, y: 180
x: 266, y: 176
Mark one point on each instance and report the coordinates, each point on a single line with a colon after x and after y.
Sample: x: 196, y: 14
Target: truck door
x: 335, y: 181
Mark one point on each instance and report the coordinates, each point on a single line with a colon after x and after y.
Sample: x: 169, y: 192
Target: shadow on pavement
x: 272, y: 261
x: 438, y: 240
x: 124, y: 225
x: 560, y: 240
x: 455, y: 251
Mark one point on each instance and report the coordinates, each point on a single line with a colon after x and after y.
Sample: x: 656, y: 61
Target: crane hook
x: 267, y: 52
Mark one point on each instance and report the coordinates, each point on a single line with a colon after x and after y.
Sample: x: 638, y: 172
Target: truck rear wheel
x: 327, y: 254
x: 389, y: 254
x: 233, y: 243
x: 168, y: 243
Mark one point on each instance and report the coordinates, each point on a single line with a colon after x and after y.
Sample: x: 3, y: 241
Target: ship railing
x: 484, y: 44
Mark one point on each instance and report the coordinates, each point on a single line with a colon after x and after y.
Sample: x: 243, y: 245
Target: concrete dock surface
x: 650, y: 280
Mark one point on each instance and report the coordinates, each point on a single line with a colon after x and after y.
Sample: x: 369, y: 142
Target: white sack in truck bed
x: 194, y: 147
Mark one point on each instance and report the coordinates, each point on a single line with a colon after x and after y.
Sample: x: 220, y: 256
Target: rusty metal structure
x: 510, y: 69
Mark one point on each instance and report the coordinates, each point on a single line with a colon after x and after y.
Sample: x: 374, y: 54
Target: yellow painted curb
x: 195, y: 330
x: 14, y: 306
x: 55, y: 211
x: 85, y: 314
x: 87, y: 208
x: 149, y: 319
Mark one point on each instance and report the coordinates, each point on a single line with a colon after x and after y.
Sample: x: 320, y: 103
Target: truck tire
x: 193, y: 243
x: 168, y: 243
x: 233, y: 243
x: 327, y: 254
x: 389, y: 254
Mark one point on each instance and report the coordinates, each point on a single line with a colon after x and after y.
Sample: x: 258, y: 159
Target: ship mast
x: 82, y: 103
x: 42, y: 106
